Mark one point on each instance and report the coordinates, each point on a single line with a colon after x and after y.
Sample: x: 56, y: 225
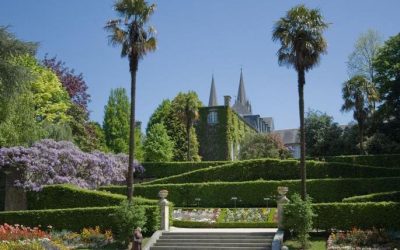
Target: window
x: 212, y: 117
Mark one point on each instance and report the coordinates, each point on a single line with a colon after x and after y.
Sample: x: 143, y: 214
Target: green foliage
x: 129, y: 216
x: 298, y: 217
x: 51, y: 100
x: 252, y: 193
x: 385, y: 161
x: 270, y: 169
x: 380, y: 143
x: 375, y: 197
x: 116, y: 121
x: 158, y: 147
x: 160, y: 115
x: 69, y: 196
x: 323, y: 135
x: 74, y: 219
x: 365, y: 215
x: 165, y: 169
x: 257, y: 146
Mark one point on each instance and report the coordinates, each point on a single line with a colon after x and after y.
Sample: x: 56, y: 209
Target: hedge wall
x: 75, y: 219
x: 375, y: 197
x: 345, y: 216
x: 272, y: 169
x: 165, y: 169
x: 388, y: 161
x: 69, y: 196
x: 252, y: 193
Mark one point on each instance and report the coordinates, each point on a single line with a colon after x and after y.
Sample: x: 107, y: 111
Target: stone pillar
x: 14, y: 198
x: 282, y: 200
x: 164, y: 208
x: 227, y: 100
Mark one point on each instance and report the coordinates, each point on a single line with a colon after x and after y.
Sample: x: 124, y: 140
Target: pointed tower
x: 213, y: 94
x: 242, y: 105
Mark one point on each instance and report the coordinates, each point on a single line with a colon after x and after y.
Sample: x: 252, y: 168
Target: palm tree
x: 302, y: 43
x: 359, y: 94
x: 136, y: 40
x: 188, y: 112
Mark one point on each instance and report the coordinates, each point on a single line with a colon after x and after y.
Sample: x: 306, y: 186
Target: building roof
x: 289, y: 136
x: 213, y: 94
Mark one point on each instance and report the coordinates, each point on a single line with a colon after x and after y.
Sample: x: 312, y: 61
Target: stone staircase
x: 214, y: 240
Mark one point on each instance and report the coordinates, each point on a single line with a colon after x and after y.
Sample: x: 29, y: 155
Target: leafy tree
x: 130, y: 32
x: 302, y: 43
x: 323, y: 135
x: 387, y: 65
x: 158, y: 147
x: 160, y: 115
x: 116, y: 121
x: 50, y: 99
x: 186, y: 106
x: 350, y: 140
x: 358, y: 94
x: 256, y: 146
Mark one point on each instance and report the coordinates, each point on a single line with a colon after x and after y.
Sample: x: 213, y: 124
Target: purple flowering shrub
x: 48, y: 162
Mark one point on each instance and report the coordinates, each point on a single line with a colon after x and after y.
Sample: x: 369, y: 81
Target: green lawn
x: 317, y: 243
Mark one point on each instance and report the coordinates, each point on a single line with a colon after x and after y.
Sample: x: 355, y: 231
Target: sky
x: 196, y: 39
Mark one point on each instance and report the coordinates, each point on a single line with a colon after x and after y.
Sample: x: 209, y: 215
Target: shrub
x: 252, y: 193
x: 158, y: 146
x: 257, y: 146
x: 272, y: 169
x: 69, y: 196
x: 346, y: 216
x: 375, y: 197
x: 165, y: 169
x: 387, y: 161
x: 74, y: 219
x: 129, y: 216
x: 297, y: 218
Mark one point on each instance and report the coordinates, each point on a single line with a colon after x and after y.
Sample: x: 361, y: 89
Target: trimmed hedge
x: 75, y: 219
x: 376, y: 197
x: 69, y: 196
x: 345, y: 216
x: 387, y: 161
x: 272, y: 169
x: 252, y: 193
x: 165, y: 169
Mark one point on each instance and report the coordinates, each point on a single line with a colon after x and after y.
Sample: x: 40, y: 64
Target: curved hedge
x: 69, y: 196
x: 387, y: 161
x: 165, y: 169
x: 252, y: 193
x: 346, y: 216
x: 375, y: 197
x: 272, y: 169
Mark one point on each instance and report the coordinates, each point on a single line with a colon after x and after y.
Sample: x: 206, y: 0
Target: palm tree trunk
x: 361, y: 136
x: 301, y: 83
x: 133, y: 69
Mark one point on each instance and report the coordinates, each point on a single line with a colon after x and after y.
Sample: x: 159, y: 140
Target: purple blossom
x: 49, y: 162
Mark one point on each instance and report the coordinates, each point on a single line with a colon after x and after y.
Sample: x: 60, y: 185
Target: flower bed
x: 364, y: 239
x: 253, y: 215
x: 209, y: 215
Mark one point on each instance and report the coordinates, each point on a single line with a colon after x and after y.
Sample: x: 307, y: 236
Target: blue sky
x: 197, y: 38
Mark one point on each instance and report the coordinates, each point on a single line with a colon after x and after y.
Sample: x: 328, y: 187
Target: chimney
x: 227, y: 100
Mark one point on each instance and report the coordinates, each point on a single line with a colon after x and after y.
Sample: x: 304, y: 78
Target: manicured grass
x: 317, y: 243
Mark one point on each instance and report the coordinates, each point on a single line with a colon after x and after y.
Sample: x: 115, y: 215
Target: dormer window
x: 212, y: 117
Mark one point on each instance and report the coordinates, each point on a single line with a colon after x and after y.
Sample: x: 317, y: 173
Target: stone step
x: 214, y: 237
x: 207, y: 248
x: 211, y: 244
x: 220, y: 233
x: 265, y: 241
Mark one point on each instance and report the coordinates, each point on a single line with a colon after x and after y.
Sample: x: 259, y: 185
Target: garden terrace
x: 385, y: 160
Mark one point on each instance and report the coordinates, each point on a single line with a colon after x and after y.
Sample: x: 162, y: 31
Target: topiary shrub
x: 298, y: 219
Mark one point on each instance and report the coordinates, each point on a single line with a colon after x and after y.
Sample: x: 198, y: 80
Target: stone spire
x: 241, y: 97
x: 213, y: 94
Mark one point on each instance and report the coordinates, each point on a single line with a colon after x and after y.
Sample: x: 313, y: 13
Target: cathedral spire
x: 241, y: 97
x: 213, y: 94
x: 242, y: 106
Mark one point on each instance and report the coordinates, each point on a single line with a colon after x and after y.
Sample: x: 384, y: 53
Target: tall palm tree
x: 358, y: 95
x: 188, y: 112
x: 136, y: 39
x: 302, y: 43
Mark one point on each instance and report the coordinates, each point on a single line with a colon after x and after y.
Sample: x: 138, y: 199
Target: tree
x: 302, y: 43
x: 323, y: 135
x: 116, y: 121
x: 160, y: 115
x: 186, y: 107
x: 358, y: 94
x: 257, y: 146
x: 387, y: 65
x: 158, y: 147
x: 130, y: 32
